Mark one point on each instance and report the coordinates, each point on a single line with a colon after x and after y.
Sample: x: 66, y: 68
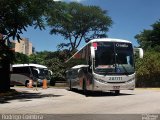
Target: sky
x: 130, y: 17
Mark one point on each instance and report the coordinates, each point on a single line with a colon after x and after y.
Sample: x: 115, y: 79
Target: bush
x: 148, y: 70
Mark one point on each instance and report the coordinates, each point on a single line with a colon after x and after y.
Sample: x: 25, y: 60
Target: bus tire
x: 26, y: 83
x: 84, y: 88
x: 116, y: 92
x: 70, y: 85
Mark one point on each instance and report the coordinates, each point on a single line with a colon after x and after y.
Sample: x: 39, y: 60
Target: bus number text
x: 115, y: 78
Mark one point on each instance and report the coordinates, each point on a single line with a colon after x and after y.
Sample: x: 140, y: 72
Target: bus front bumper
x: 114, y: 86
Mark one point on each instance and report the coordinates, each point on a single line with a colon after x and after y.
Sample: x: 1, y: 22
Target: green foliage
x: 82, y: 23
x: 148, y: 70
x: 150, y: 39
x: 57, y: 68
x: 21, y: 58
x: 56, y: 62
x: 17, y: 15
x: 38, y: 58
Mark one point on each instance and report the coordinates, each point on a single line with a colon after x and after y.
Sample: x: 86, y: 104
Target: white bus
x: 22, y: 73
x: 103, y: 64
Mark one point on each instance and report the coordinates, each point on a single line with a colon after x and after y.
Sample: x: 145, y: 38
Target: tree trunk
x: 4, y: 75
x: 5, y: 60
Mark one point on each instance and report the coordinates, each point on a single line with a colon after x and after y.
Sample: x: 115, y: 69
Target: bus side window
x: 35, y: 73
x: 85, y: 70
x: 90, y: 65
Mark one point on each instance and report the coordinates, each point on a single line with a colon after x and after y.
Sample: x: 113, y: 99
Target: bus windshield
x: 113, y: 58
x: 41, y: 73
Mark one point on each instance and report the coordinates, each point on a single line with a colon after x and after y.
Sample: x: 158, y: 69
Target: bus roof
x: 108, y: 40
x: 101, y: 40
x: 105, y: 40
x: 33, y: 65
x: 79, y: 66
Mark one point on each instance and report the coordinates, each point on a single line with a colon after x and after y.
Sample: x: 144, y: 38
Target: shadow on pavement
x: 24, y: 96
x: 99, y: 93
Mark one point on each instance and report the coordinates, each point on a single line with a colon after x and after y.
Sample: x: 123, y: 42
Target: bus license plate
x: 116, y: 87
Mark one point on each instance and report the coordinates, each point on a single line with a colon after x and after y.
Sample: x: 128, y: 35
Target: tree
x: 6, y: 57
x: 150, y: 39
x: 38, y: 57
x: 57, y: 67
x: 21, y: 58
x: 15, y: 17
x: 148, y: 68
x: 84, y: 23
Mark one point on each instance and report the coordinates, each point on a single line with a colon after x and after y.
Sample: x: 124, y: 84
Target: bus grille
x: 104, y: 71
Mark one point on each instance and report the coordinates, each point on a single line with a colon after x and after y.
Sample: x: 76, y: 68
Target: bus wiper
x: 124, y: 68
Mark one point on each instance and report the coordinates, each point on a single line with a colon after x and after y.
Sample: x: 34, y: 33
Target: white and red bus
x: 103, y: 64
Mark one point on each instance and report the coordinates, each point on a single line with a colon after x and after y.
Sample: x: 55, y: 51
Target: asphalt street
x: 65, y: 104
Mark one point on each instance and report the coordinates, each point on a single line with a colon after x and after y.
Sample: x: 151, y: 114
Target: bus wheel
x: 116, y: 92
x: 26, y: 83
x: 84, y: 88
x: 70, y: 86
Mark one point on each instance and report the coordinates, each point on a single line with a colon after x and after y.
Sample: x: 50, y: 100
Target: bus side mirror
x: 92, y: 52
x: 66, y: 73
x: 37, y: 70
x: 140, y: 51
x: 51, y: 73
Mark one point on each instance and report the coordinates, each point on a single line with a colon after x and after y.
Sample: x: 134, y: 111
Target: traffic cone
x: 30, y: 84
x: 44, y: 84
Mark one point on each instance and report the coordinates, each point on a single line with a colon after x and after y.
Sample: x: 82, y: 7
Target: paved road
x: 62, y: 101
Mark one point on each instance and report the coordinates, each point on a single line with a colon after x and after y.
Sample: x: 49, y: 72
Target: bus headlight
x: 131, y: 80
x: 100, y: 80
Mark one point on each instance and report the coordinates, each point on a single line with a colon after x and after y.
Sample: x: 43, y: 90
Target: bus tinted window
x: 21, y: 70
x: 114, y: 58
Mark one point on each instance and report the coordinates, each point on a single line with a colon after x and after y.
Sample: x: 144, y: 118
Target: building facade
x: 24, y: 46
